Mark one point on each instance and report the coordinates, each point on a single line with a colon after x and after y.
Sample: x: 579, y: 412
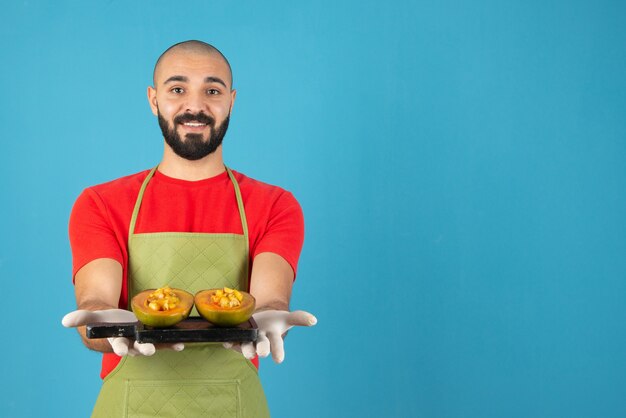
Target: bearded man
x: 191, y: 223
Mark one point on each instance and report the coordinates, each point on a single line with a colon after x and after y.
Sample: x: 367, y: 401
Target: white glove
x: 272, y: 325
x: 121, y: 346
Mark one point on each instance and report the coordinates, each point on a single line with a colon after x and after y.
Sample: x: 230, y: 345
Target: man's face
x: 193, y: 100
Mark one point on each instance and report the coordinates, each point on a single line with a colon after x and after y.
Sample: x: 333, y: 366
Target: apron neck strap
x: 133, y: 218
x: 242, y: 212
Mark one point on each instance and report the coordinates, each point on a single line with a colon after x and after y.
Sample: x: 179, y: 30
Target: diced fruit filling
x: 227, y: 298
x: 162, y: 299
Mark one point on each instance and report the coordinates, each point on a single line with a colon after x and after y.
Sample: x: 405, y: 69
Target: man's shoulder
x: 251, y: 185
x: 112, y: 196
x: 263, y: 197
x: 120, y: 186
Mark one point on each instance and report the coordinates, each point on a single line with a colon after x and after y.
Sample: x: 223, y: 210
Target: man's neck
x: 179, y: 168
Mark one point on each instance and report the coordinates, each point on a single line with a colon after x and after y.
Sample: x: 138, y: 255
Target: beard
x: 193, y: 147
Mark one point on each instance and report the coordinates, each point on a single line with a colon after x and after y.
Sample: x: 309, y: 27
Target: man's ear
x: 233, y: 94
x: 152, y: 100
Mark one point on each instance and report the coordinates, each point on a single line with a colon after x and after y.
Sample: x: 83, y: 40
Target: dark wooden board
x: 189, y: 330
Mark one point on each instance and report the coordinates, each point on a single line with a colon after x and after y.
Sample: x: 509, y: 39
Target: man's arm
x: 271, y: 282
x: 98, y: 286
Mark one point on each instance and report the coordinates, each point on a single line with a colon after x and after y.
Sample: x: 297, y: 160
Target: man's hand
x: 121, y: 346
x: 272, y: 327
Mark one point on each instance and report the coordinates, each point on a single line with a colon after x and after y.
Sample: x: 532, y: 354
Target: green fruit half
x: 162, y: 318
x: 224, y: 316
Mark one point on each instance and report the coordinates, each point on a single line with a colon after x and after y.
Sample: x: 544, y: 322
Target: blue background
x: 461, y: 166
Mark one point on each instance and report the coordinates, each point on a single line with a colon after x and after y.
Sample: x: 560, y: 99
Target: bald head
x: 191, y: 47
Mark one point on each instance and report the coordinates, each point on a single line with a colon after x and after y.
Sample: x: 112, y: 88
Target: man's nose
x: 195, y: 103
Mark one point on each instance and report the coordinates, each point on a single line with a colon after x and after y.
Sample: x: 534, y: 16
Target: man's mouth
x: 194, y: 126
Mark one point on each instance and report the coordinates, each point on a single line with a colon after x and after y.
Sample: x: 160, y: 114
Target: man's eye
x: 213, y: 91
x: 177, y: 90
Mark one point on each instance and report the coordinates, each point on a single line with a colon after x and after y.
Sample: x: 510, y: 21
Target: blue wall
x: 461, y: 166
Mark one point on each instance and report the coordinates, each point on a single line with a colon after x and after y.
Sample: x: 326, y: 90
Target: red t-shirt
x: 100, y: 219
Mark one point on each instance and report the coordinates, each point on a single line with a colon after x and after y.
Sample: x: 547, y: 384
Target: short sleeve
x: 90, y: 231
x: 284, y: 234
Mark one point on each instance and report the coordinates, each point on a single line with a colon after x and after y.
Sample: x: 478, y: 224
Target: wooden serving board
x: 190, y: 330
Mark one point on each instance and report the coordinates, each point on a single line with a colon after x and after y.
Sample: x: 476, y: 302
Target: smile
x: 194, y: 124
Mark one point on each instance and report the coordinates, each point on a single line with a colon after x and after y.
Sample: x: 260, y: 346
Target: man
x: 194, y: 224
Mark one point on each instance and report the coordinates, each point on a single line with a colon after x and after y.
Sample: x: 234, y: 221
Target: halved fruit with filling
x: 225, y: 307
x: 162, y: 307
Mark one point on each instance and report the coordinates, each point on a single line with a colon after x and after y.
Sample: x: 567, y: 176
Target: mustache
x: 190, y: 117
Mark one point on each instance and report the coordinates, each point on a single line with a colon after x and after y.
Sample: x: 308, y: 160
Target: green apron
x: 203, y: 380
